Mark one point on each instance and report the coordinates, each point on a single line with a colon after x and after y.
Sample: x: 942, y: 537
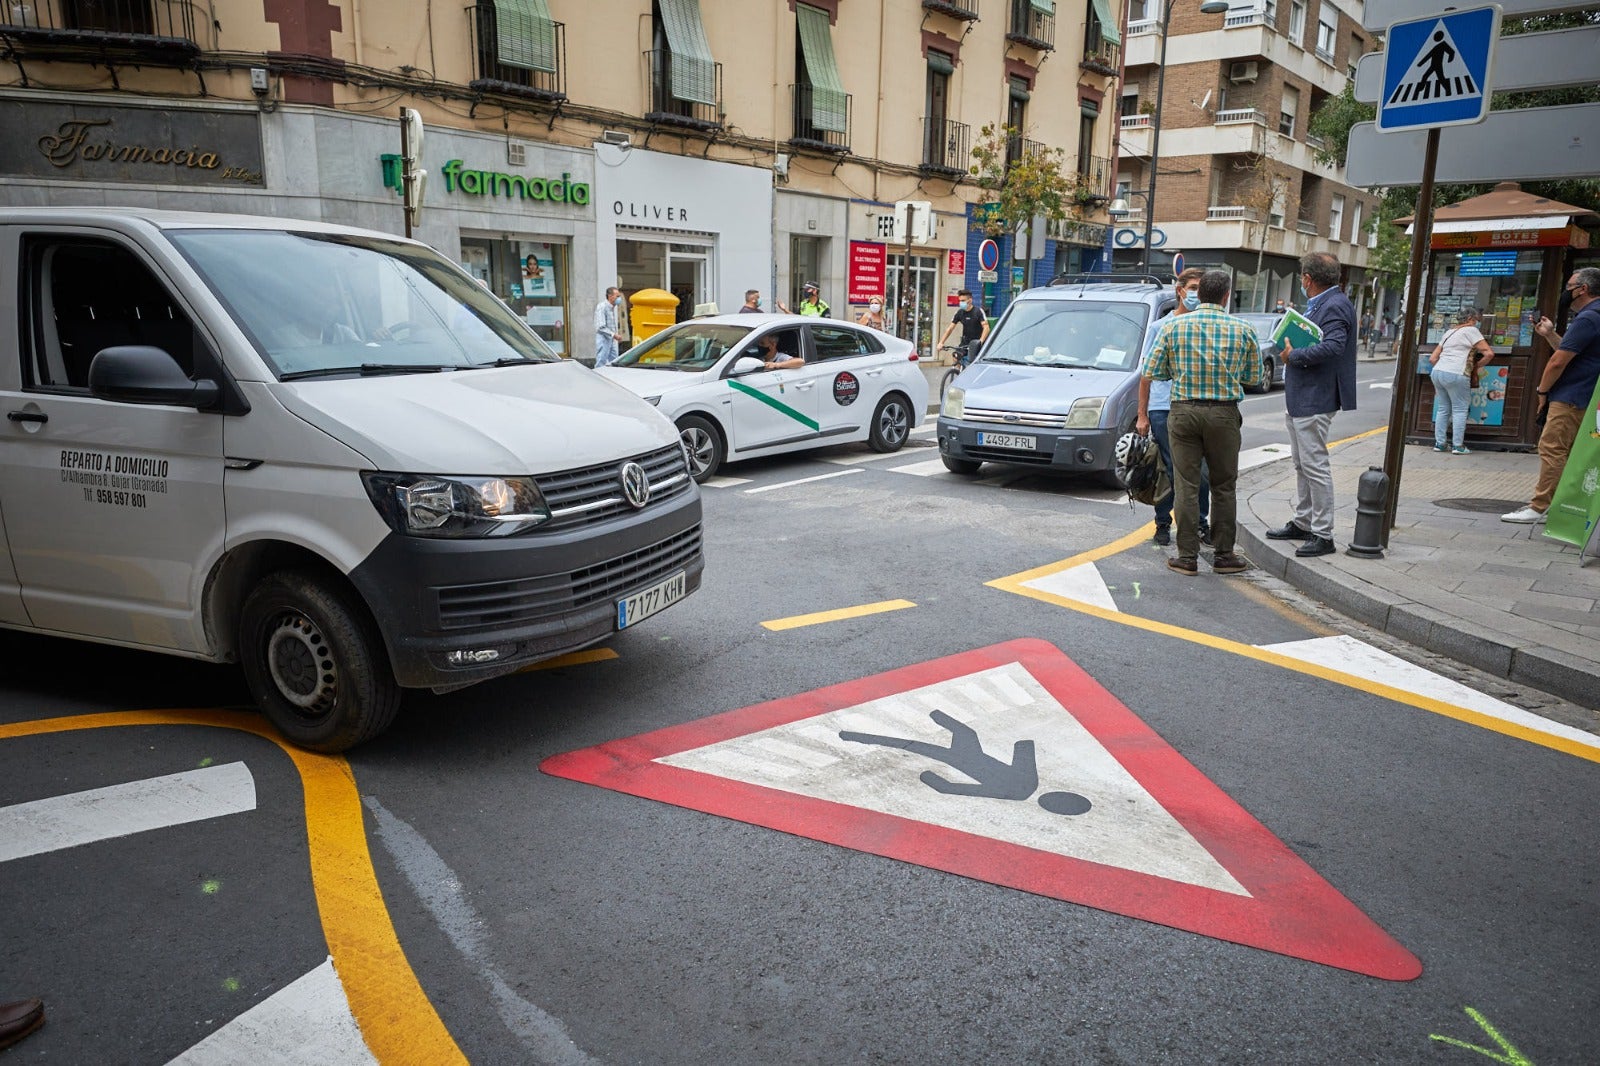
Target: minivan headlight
x: 955, y: 402
x: 430, y: 505
x: 1085, y: 413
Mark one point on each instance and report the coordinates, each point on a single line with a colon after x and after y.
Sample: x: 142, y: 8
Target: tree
x: 1263, y: 188
x: 1033, y: 184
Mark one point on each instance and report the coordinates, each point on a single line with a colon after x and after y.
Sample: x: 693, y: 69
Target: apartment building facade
x: 1238, y: 185
x: 704, y: 147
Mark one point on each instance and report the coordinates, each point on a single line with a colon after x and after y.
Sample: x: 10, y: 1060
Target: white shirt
x: 1456, y: 348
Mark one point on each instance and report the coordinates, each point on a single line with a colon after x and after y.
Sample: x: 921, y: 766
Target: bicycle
x: 964, y: 355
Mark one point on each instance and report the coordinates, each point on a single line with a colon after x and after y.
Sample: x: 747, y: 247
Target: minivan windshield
x: 1069, y: 333
x: 689, y: 346
x: 327, y: 305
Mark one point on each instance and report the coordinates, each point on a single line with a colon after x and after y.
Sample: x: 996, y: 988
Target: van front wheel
x: 315, y: 663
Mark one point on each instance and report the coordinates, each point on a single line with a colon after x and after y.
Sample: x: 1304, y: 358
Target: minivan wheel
x: 702, y: 444
x: 964, y: 467
x: 891, y: 424
x: 315, y: 663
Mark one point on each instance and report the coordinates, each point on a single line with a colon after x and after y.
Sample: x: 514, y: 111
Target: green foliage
x: 1034, y: 184
x: 1333, y: 120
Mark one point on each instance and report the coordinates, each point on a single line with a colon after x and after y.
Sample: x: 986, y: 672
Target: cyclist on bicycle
x: 974, y: 327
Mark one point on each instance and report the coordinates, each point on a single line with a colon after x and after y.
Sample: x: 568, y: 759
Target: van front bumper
x: 1085, y: 451
x: 445, y: 606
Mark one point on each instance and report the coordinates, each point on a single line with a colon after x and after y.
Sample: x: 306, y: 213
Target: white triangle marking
x: 1437, y: 73
x: 1125, y: 826
x: 307, y: 1023
x: 1082, y: 583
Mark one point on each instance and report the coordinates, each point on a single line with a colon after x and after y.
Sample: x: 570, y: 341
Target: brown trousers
x: 1206, y: 431
x: 1555, y: 444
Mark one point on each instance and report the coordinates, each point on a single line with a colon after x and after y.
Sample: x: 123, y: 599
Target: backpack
x: 1140, y: 470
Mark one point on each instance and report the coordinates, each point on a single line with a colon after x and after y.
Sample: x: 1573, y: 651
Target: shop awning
x: 827, y: 89
x: 1473, y: 225
x: 694, y: 72
x: 525, y: 35
x: 1108, y: 22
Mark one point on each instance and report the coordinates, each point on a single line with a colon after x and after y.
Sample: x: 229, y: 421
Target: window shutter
x: 694, y: 72
x: 1108, y: 22
x: 827, y: 89
x: 525, y: 36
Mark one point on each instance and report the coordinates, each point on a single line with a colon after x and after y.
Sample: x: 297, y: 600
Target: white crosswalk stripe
x: 308, y: 1023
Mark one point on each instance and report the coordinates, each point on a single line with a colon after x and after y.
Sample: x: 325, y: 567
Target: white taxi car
x: 710, y: 377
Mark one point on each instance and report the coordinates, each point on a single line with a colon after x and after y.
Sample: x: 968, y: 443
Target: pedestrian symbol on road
x: 847, y: 764
x: 1436, y: 70
x: 1016, y: 780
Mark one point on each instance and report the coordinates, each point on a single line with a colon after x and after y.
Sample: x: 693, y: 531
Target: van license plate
x: 1008, y: 440
x: 656, y: 598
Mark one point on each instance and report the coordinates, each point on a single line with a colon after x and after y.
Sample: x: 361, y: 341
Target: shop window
x: 530, y: 276
x: 1502, y: 285
x: 76, y: 313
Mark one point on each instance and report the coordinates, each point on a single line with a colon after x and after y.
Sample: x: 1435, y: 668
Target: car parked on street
x: 1271, y: 372
x: 1056, y: 383
x: 709, y: 376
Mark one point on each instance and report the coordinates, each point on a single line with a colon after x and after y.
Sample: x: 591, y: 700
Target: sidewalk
x: 1455, y: 579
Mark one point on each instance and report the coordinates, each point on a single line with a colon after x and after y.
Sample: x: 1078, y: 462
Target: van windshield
x: 319, y: 303
x: 1075, y: 333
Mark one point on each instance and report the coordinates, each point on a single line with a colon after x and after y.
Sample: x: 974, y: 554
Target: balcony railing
x: 496, y: 76
x: 1093, y: 171
x: 1326, y: 56
x: 1240, y: 114
x: 663, y: 107
x: 1266, y: 15
x: 1306, y: 225
x: 1020, y: 148
x: 1128, y: 214
x: 965, y: 10
x: 1137, y: 122
x: 1231, y: 214
x: 826, y: 129
x: 1316, y: 143
x: 156, y: 31
x: 1101, y: 57
x: 945, y: 146
x: 1031, y: 26
x: 1144, y: 27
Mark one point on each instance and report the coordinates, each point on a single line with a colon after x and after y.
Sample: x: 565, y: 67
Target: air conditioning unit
x: 1242, y: 73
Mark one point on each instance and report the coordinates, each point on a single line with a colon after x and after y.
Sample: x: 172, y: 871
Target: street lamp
x: 1207, y: 7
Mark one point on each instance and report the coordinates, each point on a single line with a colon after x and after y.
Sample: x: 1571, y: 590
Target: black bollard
x: 1372, y: 493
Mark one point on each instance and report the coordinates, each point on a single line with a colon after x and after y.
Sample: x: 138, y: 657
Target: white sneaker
x: 1524, y: 516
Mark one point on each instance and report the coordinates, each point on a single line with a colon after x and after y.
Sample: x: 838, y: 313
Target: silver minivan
x: 327, y: 454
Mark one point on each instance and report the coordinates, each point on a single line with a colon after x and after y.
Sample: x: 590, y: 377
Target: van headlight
x: 429, y: 505
x: 1085, y: 413
x: 955, y: 402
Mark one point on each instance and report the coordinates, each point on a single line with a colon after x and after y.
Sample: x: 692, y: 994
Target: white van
x: 327, y: 454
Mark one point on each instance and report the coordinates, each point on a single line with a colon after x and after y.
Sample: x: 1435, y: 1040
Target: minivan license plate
x: 656, y: 598
x: 1008, y: 440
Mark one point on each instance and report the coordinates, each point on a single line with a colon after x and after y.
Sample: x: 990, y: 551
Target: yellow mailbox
x: 650, y: 311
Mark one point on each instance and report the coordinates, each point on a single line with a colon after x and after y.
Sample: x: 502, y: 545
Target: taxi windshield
x: 690, y: 347
x: 320, y: 304
x: 1069, y: 334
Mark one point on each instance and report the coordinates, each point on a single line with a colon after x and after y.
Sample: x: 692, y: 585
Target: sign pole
x: 405, y: 170
x: 1405, y: 368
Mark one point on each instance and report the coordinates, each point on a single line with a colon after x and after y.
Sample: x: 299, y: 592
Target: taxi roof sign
x: 1436, y: 70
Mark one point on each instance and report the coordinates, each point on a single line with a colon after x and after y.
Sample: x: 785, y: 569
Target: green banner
x: 1575, y: 510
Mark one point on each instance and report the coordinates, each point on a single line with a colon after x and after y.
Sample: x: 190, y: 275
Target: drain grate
x: 1482, y: 506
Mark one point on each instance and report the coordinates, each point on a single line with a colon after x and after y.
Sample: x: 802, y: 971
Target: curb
x: 1547, y: 669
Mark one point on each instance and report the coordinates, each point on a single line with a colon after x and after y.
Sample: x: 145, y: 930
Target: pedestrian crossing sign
x: 1436, y: 70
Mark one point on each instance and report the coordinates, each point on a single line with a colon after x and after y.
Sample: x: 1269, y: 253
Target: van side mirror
x: 747, y: 364
x: 137, y: 373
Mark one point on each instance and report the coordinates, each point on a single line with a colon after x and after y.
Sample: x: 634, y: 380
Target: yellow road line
x: 799, y: 620
x: 1014, y: 583
x: 397, y: 1021
x: 577, y: 658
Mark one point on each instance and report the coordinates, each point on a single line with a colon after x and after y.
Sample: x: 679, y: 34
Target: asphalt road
x: 546, y: 919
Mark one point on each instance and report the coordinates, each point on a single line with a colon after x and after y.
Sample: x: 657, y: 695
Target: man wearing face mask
x: 1565, y: 387
x: 973, y: 322
x: 1155, y: 404
x: 752, y: 302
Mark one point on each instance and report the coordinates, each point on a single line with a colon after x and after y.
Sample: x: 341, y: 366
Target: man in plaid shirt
x: 1208, y: 355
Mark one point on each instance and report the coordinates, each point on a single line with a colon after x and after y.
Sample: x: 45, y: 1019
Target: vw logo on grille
x: 635, y: 484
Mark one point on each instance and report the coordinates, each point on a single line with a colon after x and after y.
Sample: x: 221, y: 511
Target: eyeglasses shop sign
x: 130, y: 144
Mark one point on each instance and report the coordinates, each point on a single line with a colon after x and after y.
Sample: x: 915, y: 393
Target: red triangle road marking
x: 1237, y: 882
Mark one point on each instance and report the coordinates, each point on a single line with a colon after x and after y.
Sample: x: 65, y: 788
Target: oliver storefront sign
x: 84, y: 142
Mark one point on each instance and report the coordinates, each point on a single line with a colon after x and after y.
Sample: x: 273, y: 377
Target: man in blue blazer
x: 1318, y: 381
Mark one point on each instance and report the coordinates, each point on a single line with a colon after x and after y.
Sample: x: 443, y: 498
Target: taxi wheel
x: 703, y: 445
x: 891, y: 424
x: 315, y: 663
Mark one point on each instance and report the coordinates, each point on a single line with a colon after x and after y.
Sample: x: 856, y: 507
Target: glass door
x: 688, y: 268
x: 913, y: 305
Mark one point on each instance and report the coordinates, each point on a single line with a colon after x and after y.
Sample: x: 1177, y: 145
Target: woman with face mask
x: 873, y: 315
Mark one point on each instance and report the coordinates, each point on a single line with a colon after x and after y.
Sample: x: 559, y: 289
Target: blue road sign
x: 1436, y: 70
